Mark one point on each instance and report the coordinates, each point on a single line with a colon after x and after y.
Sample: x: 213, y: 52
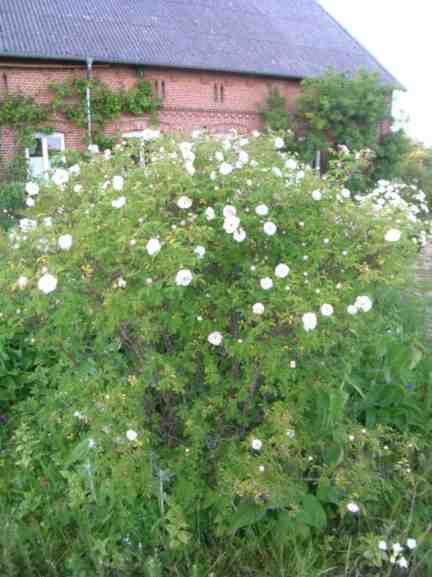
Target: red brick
x: 189, y: 102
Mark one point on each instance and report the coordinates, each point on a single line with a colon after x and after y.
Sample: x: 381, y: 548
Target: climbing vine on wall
x: 106, y: 104
x: 26, y: 116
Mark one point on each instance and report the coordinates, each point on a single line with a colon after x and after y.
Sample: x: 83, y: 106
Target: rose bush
x: 204, y: 367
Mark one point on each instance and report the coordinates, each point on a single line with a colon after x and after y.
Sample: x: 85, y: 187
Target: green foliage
x: 389, y: 155
x: 135, y: 442
x: 107, y: 104
x: 416, y: 168
x: 342, y: 110
x: 337, y: 110
x: 22, y: 114
x: 12, y: 192
x: 274, y: 111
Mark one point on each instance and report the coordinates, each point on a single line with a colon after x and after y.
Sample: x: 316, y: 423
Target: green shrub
x: 338, y: 110
x: 207, y: 371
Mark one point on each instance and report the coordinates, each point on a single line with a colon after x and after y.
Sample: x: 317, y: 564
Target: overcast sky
x: 399, y: 34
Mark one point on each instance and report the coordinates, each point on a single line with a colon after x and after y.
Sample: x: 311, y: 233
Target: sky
x: 399, y: 35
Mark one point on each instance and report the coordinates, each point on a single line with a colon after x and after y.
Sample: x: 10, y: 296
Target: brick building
x: 211, y: 61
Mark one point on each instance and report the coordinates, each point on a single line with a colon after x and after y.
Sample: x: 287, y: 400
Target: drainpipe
x: 88, y: 99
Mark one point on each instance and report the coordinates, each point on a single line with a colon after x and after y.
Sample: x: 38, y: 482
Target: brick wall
x: 216, y: 101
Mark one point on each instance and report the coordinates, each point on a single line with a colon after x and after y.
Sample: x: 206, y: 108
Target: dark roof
x: 286, y: 38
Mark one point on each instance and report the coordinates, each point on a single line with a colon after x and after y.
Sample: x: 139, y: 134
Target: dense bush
x: 338, y: 110
x: 205, y: 371
x: 416, y: 168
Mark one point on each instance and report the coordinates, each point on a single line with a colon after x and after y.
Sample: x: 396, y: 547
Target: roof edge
x: 398, y: 84
x: 35, y: 56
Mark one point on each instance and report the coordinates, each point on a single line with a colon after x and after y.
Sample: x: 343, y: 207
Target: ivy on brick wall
x: 23, y: 115
x: 26, y: 116
x: 106, y: 104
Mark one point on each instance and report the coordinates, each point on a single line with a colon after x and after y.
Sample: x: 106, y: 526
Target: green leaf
x: 248, y: 513
x: 313, y: 513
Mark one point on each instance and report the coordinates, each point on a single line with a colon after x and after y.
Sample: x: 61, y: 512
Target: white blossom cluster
x: 393, y: 196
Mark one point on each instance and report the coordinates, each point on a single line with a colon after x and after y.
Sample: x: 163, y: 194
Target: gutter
x: 89, y: 63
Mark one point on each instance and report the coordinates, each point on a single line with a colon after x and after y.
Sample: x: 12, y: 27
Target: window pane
x: 54, y: 142
x: 36, y: 149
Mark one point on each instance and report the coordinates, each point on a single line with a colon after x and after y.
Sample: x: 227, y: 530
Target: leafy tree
x: 274, y: 111
x: 337, y: 110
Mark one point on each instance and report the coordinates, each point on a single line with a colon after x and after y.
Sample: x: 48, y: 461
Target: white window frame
x: 45, y: 153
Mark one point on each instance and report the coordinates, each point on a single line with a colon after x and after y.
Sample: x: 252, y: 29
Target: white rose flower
x: 30, y: 202
x: 184, y: 202
x: 382, y: 546
x: 316, y: 195
x: 215, y: 338
x: 346, y: 193
x: 411, y: 544
x: 327, y: 310
x: 121, y: 283
x: 118, y: 183
x: 27, y: 224
x: 393, y: 235
x: 258, y: 309
x: 93, y: 148
x: 363, y: 303
x: 231, y: 224
x: 219, y: 156
x: 132, y: 435
x: 266, y: 283
x: 153, y: 246
x: 210, y: 213
x: 397, y: 548
x: 189, y: 167
x: 291, y: 164
x: 262, y: 210
x: 119, y: 202
x: 229, y: 211
x: 279, y: 143
x: 75, y: 170
x: 47, y: 283
x: 243, y: 157
x: 270, y: 228
x: 200, y: 251
x: 32, y: 189
x: 403, y: 563
x: 184, y: 277
x: 352, y: 310
x: 277, y: 171
x: 225, y: 168
x: 310, y: 321
x: 282, y: 270
x: 22, y: 282
x: 77, y: 188
x: 239, y: 235
x: 60, y: 176
x: 256, y: 445
x: 65, y: 242
x: 353, y: 507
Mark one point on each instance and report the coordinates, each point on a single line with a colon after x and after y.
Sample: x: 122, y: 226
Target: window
x: 219, y: 93
x: 159, y: 88
x: 42, y: 155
